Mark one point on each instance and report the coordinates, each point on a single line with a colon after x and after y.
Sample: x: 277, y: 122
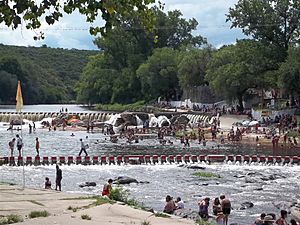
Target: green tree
x: 193, y: 66
x: 271, y: 21
x: 236, y: 68
x: 289, y: 72
x: 14, y: 13
x: 158, y: 74
x: 96, y: 81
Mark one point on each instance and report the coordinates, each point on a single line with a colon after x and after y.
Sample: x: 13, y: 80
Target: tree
x: 271, y: 21
x: 15, y: 13
x: 193, y: 66
x: 234, y: 69
x: 158, y: 74
x: 289, y: 72
x: 96, y: 82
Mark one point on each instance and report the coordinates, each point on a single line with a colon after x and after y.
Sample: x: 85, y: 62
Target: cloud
x: 72, y: 31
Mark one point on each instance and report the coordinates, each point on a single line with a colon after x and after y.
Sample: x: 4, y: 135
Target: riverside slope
x: 15, y: 200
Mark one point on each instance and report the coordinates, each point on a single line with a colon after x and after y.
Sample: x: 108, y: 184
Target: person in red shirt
x: 107, y: 187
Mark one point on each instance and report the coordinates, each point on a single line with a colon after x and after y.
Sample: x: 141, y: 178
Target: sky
x: 73, y: 32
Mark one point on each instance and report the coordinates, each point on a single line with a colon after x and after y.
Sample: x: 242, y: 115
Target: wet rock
x: 88, y: 184
x: 246, y: 205
x: 129, y: 119
x: 239, y: 176
x: 193, y: 167
x: 258, y: 189
x: 204, y: 184
x: 283, y: 205
x: 144, y: 182
x: 295, y: 212
x: 185, y: 213
x: 125, y: 180
x: 251, y: 180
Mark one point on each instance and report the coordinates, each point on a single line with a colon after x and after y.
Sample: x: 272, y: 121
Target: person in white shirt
x: 179, y: 203
x: 83, y: 148
x: 19, y: 144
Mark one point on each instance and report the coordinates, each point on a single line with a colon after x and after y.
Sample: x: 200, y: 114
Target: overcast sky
x: 72, y: 30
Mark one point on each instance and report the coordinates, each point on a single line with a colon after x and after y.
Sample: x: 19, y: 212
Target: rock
x: 181, y: 120
x: 88, y: 184
x: 195, y: 167
x: 258, y: 189
x: 185, y: 213
x: 205, y: 184
x: 239, y: 176
x: 295, y: 212
x: 144, y: 182
x: 129, y: 119
x: 125, y: 180
x: 246, y: 205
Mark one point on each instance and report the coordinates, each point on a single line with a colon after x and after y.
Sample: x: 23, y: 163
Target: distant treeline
x: 47, y: 75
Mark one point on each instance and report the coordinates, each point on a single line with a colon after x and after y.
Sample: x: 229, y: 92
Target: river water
x: 263, y: 185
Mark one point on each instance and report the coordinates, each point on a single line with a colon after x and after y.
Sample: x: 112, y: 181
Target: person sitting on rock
x: 179, y: 203
x: 107, y: 187
x: 170, y: 205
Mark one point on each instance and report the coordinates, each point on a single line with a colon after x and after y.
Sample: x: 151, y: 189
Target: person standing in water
x: 11, y: 145
x: 37, y: 146
x: 83, y: 148
x: 19, y: 144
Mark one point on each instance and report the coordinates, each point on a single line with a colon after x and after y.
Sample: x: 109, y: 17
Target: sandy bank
x: 14, y: 200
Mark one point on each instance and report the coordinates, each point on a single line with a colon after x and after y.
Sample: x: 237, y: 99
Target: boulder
x: 125, y: 180
x: 246, y: 205
x: 88, y: 184
x: 182, y: 120
x: 295, y: 212
x: 129, y: 119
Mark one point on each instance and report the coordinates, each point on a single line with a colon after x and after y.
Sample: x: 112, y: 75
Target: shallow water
x: 171, y: 179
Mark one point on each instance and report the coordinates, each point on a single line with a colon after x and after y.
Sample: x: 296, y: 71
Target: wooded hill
x: 47, y: 75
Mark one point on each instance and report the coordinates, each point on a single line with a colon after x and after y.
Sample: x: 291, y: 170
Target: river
x: 263, y: 185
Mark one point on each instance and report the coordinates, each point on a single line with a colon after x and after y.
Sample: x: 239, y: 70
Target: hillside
x: 47, y: 75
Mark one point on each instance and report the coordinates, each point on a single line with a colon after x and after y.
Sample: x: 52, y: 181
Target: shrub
x: 145, y: 223
x: 163, y: 215
x: 35, y: 214
x: 86, y: 217
x: 206, y: 175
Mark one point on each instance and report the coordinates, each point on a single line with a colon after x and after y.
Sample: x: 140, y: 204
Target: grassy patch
x: 74, y: 209
x: 206, y: 175
x: 35, y: 202
x: 82, y: 198
x: 145, y: 223
x: 9, y: 219
x: 202, y: 222
x: 86, y: 217
x: 163, y: 215
x: 35, y: 214
x: 137, y: 106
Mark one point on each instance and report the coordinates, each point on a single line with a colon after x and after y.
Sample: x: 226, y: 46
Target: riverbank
x: 60, y: 206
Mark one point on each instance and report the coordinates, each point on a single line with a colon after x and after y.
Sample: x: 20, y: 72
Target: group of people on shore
x: 221, y: 208
x: 270, y: 219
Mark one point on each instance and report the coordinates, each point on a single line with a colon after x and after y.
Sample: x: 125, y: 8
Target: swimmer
x: 72, y: 135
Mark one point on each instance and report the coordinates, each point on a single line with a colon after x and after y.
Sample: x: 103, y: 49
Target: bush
x: 121, y: 195
x: 35, y: 214
x: 86, y: 217
x: 206, y: 175
x: 163, y: 215
x: 9, y: 219
x: 202, y: 222
x: 145, y: 223
x: 137, y: 106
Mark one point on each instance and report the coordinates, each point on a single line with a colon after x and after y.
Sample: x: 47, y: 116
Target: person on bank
x: 47, y: 183
x: 170, y: 206
x: 282, y: 219
x: 107, y: 187
x: 58, y: 178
